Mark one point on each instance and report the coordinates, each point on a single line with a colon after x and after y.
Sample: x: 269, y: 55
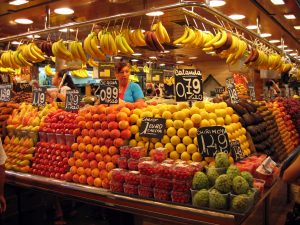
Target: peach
x: 103, y: 150
x: 96, y: 148
x: 126, y: 110
x: 78, y: 163
x: 109, y: 110
x: 77, y: 154
x: 103, y: 174
x: 92, y: 133
x: 129, y: 105
x: 109, y: 175
x: 88, y: 116
x: 101, y: 141
x: 91, y: 156
x: 125, y: 134
x: 95, y: 172
x: 112, y: 150
x: 76, y: 131
x: 106, y: 134
x: 107, y: 158
x: 122, y: 116
x: 114, y: 133
x: 115, y: 159
x: 123, y: 124
x: 111, y: 117
x: 80, y: 170
x: 85, y: 132
x: 89, y: 124
x: 86, y: 163
x: 68, y: 176
x: 97, y: 182
x: 108, y: 142
x: 82, y: 179
x: 109, y: 166
x: 79, y: 118
x: 89, y: 148
x: 101, y: 165
x: 98, y: 133
x: 83, y: 155
x: 73, y: 169
x: 90, y: 181
x: 113, y: 125
x: 88, y: 171
x: 75, y: 178
x: 118, y: 142
x: 95, y: 117
x: 93, y: 164
x: 71, y: 161
x: 102, y: 118
x: 79, y: 139
x: 74, y: 147
x: 81, y: 124
x: 93, y: 109
x: 94, y: 141
x: 87, y: 140
x: 98, y: 157
x: 97, y: 125
x: 105, y: 183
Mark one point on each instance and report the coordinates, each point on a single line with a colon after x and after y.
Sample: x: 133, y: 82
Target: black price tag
x: 251, y: 91
x: 26, y: 87
x: 5, y: 93
x: 109, y: 92
x: 236, y: 150
x: 153, y: 127
x: 234, y: 98
x: 5, y: 78
x: 106, y: 69
x: 39, y: 96
x: 220, y: 90
x: 212, y: 140
x: 72, y: 100
x: 188, y: 85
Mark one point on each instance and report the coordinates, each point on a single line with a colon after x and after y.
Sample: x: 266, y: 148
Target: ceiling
x: 270, y: 16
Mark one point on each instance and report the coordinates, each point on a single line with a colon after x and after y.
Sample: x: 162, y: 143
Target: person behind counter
x: 3, y: 158
x: 129, y: 91
x: 67, y: 85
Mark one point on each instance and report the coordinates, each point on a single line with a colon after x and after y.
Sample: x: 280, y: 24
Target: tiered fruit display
x: 241, y: 85
x: 285, y: 125
x: 182, y: 121
x: 272, y: 130
x: 19, y: 153
x: 6, y: 109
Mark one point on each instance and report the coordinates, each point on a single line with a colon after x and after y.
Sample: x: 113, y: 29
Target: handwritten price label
x: 72, y: 100
x: 251, y: 91
x: 236, y: 150
x: 39, y: 96
x: 153, y: 127
x: 109, y: 92
x: 5, y: 93
x: 234, y: 98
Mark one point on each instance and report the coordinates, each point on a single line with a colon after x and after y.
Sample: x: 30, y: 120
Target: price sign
x: 220, y: 90
x: 5, y: 78
x: 72, y: 100
x: 26, y: 87
x: 39, y: 96
x: 234, y: 98
x: 5, y: 93
x: 212, y: 140
x: 152, y: 127
x: 251, y: 91
x: 188, y: 85
x: 109, y: 92
x: 236, y: 150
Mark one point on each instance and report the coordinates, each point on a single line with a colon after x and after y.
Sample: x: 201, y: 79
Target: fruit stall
x: 193, y: 158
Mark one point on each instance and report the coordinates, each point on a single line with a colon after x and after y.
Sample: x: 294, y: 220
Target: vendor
x: 129, y: 91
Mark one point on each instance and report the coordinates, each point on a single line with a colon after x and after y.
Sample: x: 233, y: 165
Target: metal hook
x: 122, y: 25
x: 195, y: 23
x: 76, y: 34
x: 152, y: 22
x: 108, y: 25
x: 93, y: 27
x: 140, y: 23
x: 128, y: 23
x: 186, y: 20
x: 203, y: 26
x: 8, y: 45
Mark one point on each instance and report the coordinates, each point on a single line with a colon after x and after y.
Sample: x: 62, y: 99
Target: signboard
x: 72, y: 100
x: 220, y: 90
x: 26, y: 87
x: 212, y: 140
x: 39, y: 96
x: 109, y: 92
x: 251, y: 91
x: 152, y: 127
x: 234, y: 98
x: 236, y: 150
x: 106, y: 70
x: 5, y: 93
x: 188, y: 85
x: 4, y: 78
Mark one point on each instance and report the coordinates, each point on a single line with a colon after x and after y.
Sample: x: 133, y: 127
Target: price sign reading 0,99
x: 5, y: 93
x: 72, y: 100
x: 188, y: 85
x: 109, y: 92
x: 234, y: 98
x: 39, y: 96
x: 212, y: 140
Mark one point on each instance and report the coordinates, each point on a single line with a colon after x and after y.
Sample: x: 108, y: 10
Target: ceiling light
x: 290, y: 16
x: 180, y: 62
x: 252, y: 27
x: 288, y: 50
x: 162, y: 64
x: 16, y: 42
x: 64, y: 11
x: 65, y: 30
x: 297, y: 27
x: 155, y: 13
x: 166, y: 51
x: 33, y: 36
x: 282, y: 46
x: 118, y: 57
x: 216, y: 3
x: 18, y: 2
x: 152, y: 57
x: 274, y: 41
x: 236, y: 17
x: 134, y: 60
x: 278, y: 2
x: 193, y: 57
x: 23, y: 21
x: 293, y: 54
x: 137, y: 54
x: 265, y: 35
x: 210, y: 53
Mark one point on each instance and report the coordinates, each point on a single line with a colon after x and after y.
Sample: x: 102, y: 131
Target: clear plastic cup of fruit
x: 147, y: 167
x: 70, y: 139
x: 118, y: 175
x: 116, y: 187
x: 146, y: 181
x: 159, y: 154
x: 182, y: 171
x: 182, y: 185
x: 125, y: 151
x: 163, y: 183
x: 164, y: 170
x: 122, y: 162
x: 43, y: 136
x: 137, y: 152
x: 162, y: 195
x: 51, y: 137
x: 180, y: 197
x: 132, y: 177
x: 146, y: 192
x: 60, y: 139
x: 132, y: 164
x: 130, y: 189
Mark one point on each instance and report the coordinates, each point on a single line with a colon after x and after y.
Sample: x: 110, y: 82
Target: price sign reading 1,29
x: 212, y: 140
x: 188, y: 85
x: 109, y: 91
x: 5, y: 93
x: 236, y: 150
x: 39, y: 96
x: 234, y: 98
x: 72, y: 100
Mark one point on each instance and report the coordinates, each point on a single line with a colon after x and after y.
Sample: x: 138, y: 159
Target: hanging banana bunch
x: 107, y: 43
x: 48, y: 71
x: 129, y: 37
x: 137, y: 37
x: 60, y: 50
x: 32, y: 53
x: 77, y: 52
x: 161, y: 32
x: 122, y: 45
x: 82, y: 73
x: 90, y: 45
x: 92, y: 63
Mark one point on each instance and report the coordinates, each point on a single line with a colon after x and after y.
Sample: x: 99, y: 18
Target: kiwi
x: 239, y: 109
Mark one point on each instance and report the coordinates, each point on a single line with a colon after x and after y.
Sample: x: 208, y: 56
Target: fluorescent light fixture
x: 137, y: 54
x: 293, y: 54
x: 155, y: 13
x: 134, y: 60
x: 18, y: 2
x: 64, y: 11
x: 193, y: 57
x: 180, y: 62
x: 274, y: 41
x: 117, y: 57
x: 162, y: 64
x: 290, y: 16
x: 16, y: 42
x: 65, y: 30
x: 210, y: 53
x: 236, y: 16
x: 23, y: 21
x: 178, y: 44
x: 166, y: 51
x: 252, y: 27
x: 33, y: 36
x: 216, y: 3
x: 264, y: 35
x: 282, y: 46
x: 278, y: 2
x: 143, y: 31
x: 288, y: 50
x: 152, y: 57
x: 297, y: 27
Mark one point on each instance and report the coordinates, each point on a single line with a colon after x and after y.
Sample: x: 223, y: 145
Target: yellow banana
x: 74, y: 50
x: 125, y: 44
x: 164, y: 32
x: 221, y: 41
x: 48, y: 71
x: 191, y: 36
x: 120, y: 45
x: 140, y: 37
x: 183, y: 37
x: 62, y: 51
x: 94, y: 47
x: 92, y: 63
x: 80, y: 51
x: 22, y: 59
x: 213, y: 40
